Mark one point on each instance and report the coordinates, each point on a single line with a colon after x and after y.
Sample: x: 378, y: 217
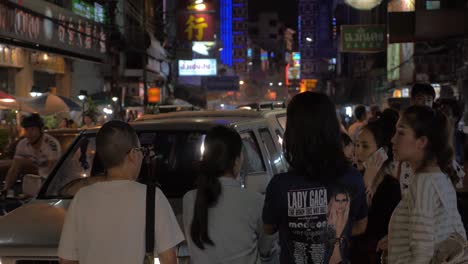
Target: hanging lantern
x: 363, y: 4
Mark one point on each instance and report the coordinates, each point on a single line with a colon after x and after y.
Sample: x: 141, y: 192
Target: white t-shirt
x: 49, y: 150
x: 424, y: 217
x: 234, y: 225
x: 105, y: 224
x: 406, y: 175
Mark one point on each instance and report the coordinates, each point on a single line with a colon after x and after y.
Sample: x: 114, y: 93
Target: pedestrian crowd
x: 384, y: 191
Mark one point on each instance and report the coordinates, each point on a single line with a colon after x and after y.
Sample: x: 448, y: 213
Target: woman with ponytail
x: 428, y: 214
x: 222, y: 221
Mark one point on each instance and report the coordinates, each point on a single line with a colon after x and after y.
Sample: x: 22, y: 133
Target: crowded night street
x: 233, y: 131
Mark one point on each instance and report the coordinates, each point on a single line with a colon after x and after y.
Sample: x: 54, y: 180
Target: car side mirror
x: 31, y: 185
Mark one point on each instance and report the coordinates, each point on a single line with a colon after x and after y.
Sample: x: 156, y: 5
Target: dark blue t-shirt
x: 312, y: 217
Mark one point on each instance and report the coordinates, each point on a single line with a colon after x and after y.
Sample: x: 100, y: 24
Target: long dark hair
x: 434, y: 125
x: 383, y: 129
x: 312, y: 140
x: 223, y: 146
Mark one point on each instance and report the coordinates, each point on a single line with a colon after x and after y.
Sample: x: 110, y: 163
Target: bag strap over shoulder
x: 150, y: 218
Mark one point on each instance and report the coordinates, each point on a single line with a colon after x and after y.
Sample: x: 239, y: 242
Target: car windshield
x: 170, y: 160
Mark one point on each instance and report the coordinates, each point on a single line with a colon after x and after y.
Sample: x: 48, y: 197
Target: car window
x: 65, y: 140
x: 253, y: 161
x: 170, y: 160
x: 270, y: 146
x: 282, y: 121
x: 78, y: 164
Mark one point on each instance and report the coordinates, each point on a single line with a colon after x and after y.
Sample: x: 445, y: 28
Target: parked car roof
x: 226, y: 114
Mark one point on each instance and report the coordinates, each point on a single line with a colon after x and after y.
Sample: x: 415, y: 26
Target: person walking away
x: 375, y: 160
x: 428, y: 214
x: 360, y: 113
x: 36, y: 153
x: 321, y: 201
x: 105, y: 222
x: 375, y: 113
x: 222, y: 221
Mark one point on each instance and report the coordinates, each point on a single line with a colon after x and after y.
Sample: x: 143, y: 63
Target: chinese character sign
x: 51, y: 26
x: 196, y: 27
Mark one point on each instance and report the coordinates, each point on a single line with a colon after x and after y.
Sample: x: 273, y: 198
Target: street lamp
x: 82, y: 96
x: 363, y: 4
x: 35, y: 91
x: 115, y: 99
x: 241, y: 82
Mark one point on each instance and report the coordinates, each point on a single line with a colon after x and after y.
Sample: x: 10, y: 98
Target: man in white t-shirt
x: 105, y: 222
x: 36, y: 153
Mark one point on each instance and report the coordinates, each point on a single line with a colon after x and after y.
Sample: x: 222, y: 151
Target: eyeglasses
x: 140, y: 149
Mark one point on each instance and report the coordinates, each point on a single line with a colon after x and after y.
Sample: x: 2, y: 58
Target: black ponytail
x: 222, y: 147
x: 445, y: 154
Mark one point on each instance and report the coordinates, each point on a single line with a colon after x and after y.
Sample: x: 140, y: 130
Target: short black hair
x: 422, y: 88
x: 360, y: 112
x: 113, y: 142
x: 33, y: 120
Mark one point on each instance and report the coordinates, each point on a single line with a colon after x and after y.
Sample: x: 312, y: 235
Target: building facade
x: 240, y: 11
x: 271, y: 41
x: 316, y: 41
x: 44, y: 44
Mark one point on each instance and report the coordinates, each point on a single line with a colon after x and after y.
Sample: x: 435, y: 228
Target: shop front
x: 40, y: 43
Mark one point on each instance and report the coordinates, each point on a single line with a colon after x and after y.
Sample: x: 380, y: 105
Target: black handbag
x: 149, y: 223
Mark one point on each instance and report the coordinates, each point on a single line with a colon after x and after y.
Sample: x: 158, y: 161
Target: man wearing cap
x: 37, y: 152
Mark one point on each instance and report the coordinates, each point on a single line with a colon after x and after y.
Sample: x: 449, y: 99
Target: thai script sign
x: 363, y: 38
x: 44, y: 24
x: 197, y: 67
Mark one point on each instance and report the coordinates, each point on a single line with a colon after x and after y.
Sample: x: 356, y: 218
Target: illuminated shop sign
x: 196, y: 21
x: 64, y: 30
x: 197, y: 67
x: 91, y: 11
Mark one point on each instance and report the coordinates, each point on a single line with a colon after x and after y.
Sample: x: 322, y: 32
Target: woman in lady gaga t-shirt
x: 321, y: 201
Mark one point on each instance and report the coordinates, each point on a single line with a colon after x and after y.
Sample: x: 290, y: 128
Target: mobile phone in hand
x: 378, y: 153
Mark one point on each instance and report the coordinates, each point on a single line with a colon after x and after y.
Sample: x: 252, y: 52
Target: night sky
x: 287, y: 10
